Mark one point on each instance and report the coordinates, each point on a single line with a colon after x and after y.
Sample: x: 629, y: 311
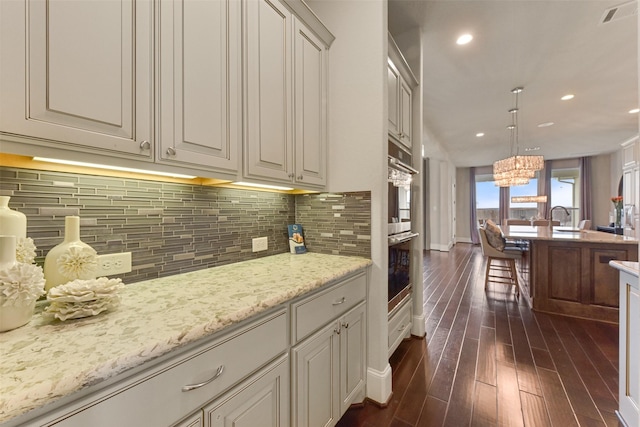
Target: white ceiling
x: 549, y: 47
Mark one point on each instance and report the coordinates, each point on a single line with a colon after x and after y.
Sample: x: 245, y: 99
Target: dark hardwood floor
x: 488, y: 360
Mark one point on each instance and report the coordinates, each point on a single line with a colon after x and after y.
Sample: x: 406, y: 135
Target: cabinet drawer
x: 316, y: 311
x: 399, y: 326
x: 162, y: 390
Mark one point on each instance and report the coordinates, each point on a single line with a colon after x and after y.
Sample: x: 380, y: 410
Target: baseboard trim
x: 418, y: 326
x: 379, y: 386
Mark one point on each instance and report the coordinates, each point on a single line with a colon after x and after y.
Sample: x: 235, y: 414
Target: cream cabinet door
x: 352, y: 357
x: 393, y: 85
x: 79, y: 73
x: 311, y: 107
x: 405, y: 113
x: 629, y: 353
x: 195, y: 420
x: 269, y: 150
x: 200, y: 83
x: 263, y: 401
x: 316, y: 370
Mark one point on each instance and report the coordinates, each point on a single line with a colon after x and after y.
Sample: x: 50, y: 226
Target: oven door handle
x: 401, y: 166
x: 396, y: 240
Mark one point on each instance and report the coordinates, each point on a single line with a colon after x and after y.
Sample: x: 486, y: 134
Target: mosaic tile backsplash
x: 174, y: 228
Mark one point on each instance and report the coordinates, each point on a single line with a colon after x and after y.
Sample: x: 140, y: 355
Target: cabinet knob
x: 337, y: 331
x: 171, y: 151
x: 300, y: 177
x: 291, y: 175
x: 145, y: 145
x: 345, y: 325
x: 202, y: 384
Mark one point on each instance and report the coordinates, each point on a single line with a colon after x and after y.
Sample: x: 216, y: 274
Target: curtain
x: 586, y: 201
x: 473, y: 226
x: 504, y: 204
x: 544, y: 189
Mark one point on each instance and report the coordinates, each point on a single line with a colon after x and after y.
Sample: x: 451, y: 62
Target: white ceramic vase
x: 12, y: 316
x: 12, y: 223
x: 70, y: 260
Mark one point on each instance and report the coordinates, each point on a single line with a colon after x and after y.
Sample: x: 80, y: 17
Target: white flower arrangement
x: 25, y: 250
x: 78, y: 262
x: 83, y: 298
x: 21, y: 284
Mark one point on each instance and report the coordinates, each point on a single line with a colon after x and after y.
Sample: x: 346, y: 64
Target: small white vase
x: 12, y: 223
x: 12, y: 316
x: 72, y: 247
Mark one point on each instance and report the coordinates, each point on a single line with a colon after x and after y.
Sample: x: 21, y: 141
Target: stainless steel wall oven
x: 400, y: 174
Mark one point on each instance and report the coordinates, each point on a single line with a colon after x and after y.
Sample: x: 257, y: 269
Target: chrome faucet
x: 551, y: 215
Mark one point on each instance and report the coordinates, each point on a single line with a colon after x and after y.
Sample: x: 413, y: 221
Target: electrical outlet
x: 259, y: 244
x: 111, y: 264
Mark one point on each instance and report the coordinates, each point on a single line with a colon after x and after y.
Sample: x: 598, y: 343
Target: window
x: 565, y: 191
x: 524, y: 210
x: 487, y: 198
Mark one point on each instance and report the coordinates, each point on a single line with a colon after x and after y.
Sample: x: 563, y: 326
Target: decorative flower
x: 617, y: 202
x: 25, y: 250
x: 85, y: 290
x: 78, y: 262
x: 21, y: 284
x: 83, y: 298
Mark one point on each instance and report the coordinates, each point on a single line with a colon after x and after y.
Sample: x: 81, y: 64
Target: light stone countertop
x: 563, y: 234
x: 48, y: 359
x: 630, y: 267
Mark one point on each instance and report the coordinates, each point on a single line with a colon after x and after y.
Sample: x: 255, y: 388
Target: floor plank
x: 489, y: 360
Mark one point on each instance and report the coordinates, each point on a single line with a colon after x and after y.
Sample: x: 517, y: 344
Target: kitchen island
x: 567, y: 270
x: 49, y: 364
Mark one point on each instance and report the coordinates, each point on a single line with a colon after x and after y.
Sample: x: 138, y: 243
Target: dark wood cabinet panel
x: 574, y: 277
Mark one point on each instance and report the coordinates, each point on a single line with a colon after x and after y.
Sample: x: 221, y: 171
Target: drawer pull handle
x: 401, y: 328
x: 195, y: 386
x: 340, y: 301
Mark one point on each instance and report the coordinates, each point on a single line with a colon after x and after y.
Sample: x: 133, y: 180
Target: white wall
x: 442, y: 180
x: 463, y: 214
x: 357, y: 147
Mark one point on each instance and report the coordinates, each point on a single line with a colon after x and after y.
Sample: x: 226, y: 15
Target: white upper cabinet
x: 286, y: 110
x: 220, y: 89
x: 199, y: 115
x: 393, y: 86
x: 269, y: 152
x: 400, y: 85
x: 310, y: 107
x: 79, y: 74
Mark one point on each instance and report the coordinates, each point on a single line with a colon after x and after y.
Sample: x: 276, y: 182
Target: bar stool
x: 499, y: 262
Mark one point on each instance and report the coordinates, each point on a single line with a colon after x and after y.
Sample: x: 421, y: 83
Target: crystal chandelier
x: 517, y: 169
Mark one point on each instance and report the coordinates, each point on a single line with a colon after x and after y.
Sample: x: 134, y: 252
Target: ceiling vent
x: 620, y: 11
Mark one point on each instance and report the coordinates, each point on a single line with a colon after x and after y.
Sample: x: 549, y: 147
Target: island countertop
x: 526, y: 232
x: 48, y: 359
x: 630, y: 267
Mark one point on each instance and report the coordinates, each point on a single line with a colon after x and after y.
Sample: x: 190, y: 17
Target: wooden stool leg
x: 514, y: 276
x: 486, y: 275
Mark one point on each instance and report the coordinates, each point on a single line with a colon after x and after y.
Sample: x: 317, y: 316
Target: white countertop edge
x: 631, y: 267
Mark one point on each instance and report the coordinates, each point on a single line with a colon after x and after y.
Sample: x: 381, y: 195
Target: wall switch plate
x: 111, y: 264
x: 259, y: 244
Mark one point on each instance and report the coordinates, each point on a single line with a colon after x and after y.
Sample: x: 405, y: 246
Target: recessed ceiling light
x: 634, y: 111
x: 567, y: 97
x: 532, y: 149
x: 480, y: 134
x: 464, y: 39
x: 546, y: 124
